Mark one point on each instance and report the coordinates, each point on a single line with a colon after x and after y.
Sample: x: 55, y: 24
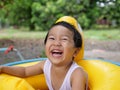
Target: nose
x: 57, y: 43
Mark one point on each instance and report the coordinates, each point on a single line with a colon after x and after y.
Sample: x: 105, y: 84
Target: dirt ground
x: 33, y: 48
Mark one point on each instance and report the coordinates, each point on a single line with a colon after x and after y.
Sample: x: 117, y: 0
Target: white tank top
x: 66, y: 85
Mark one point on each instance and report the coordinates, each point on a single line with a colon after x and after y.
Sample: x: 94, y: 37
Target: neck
x: 61, y: 68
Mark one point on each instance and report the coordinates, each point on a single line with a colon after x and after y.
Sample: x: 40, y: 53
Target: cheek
x: 68, y: 45
x: 47, y: 47
x: 47, y: 50
x: 69, y: 48
x: 47, y: 44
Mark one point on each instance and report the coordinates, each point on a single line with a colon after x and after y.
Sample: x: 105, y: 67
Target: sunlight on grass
x: 102, y: 34
x: 113, y: 34
x: 21, y: 34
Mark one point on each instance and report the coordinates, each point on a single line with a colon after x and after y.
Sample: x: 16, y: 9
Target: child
x: 62, y: 44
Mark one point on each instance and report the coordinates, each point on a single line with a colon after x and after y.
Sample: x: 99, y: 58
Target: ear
x: 76, y: 52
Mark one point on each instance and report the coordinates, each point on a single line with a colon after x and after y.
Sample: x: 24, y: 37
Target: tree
x: 40, y: 14
x: 19, y: 12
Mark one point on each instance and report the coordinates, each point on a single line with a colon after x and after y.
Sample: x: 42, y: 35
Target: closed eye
x: 65, y: 39
x: 51, y: 37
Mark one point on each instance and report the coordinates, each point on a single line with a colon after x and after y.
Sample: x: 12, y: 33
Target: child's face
x: 60, y: 48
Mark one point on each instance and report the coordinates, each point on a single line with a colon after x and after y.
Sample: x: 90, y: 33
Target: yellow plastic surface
x: 8, y: 82
x: 102, y: 75
x: 29, y: 83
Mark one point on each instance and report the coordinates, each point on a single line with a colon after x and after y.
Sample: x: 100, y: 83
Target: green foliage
x: 40, y: 14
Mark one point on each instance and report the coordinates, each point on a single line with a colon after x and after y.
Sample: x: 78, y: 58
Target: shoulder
x: 79, y: 72
x: 78, y: 78
x: 43, y: 64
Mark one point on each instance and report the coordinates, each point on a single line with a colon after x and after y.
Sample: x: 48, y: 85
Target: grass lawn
x: 10, y: 33
x: 112, y: 34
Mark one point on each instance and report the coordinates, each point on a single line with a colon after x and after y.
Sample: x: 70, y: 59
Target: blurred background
x: 40, y: 14
x: 24, y: 24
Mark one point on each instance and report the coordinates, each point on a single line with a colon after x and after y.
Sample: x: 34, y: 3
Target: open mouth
x: 57, y: 53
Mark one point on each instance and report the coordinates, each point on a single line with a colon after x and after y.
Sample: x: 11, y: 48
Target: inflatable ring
x: 102, y: 75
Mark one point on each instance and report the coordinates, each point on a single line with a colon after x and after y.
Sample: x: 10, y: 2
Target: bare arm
x: 78, y: 80
x: 23, y: 71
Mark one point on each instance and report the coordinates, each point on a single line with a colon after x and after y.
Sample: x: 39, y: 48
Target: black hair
x: 77, y: 36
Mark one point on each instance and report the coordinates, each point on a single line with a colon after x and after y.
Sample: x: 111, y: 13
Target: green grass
x: 112, y: 34
x: 10, y: 33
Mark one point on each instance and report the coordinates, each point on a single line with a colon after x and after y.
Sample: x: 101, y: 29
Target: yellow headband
x: 72, y: 21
